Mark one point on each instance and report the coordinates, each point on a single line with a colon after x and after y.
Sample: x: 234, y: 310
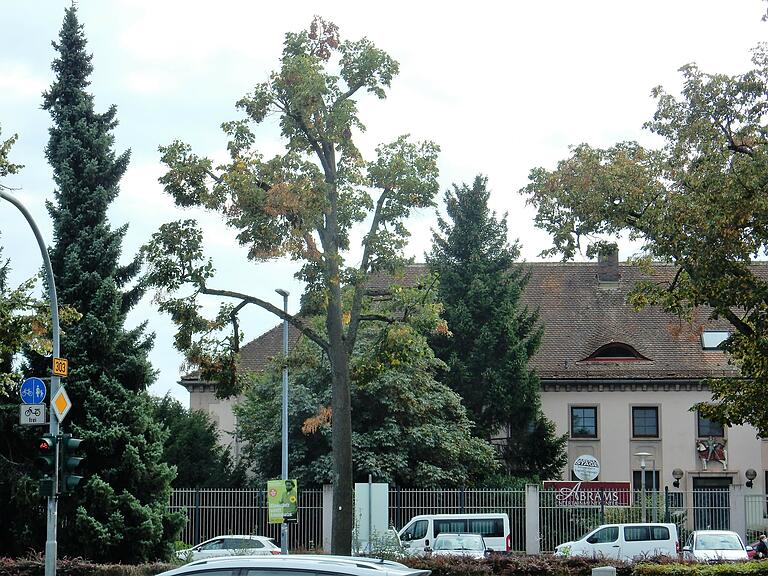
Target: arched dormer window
x: 614, y: 352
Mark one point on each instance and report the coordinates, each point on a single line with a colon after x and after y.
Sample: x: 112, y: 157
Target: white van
x: 625, y: 542
x: 420, y: 532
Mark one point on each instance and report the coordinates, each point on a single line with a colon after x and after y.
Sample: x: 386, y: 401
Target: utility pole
x: 53, y: 422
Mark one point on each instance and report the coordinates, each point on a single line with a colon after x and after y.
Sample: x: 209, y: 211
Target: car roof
x: 458, y: 534
x: 251, y: 536
x: 353, y: 564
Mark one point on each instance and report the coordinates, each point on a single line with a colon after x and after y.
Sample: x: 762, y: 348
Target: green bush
x: 34, y: 565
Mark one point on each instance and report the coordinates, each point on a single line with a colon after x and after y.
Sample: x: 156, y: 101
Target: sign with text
x: 591, y: 494
x: 282, y: 501
x: 32, y: 414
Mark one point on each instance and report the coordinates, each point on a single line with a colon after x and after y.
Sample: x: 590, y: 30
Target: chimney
x: 608, y: 265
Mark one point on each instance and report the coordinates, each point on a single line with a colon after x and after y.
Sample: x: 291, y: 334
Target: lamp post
x: 284, y: 525
x: 642, y: 456
x: 53, y: 422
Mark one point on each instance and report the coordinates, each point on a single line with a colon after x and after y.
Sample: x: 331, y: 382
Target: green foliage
x: 492, y: 336
x: 6, y: 166
x: 119, y: 511
x: 408, y: 428
x: 192, y: 447
x: 34, y: 565
x: 699, y: 202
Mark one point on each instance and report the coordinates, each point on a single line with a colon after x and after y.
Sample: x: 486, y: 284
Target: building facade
x: 620, y: 383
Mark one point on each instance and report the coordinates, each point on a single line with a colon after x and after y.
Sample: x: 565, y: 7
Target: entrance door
x: 711, y: 503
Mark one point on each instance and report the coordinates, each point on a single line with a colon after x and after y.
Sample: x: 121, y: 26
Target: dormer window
x: 614, y: 352
x: 713, y: 339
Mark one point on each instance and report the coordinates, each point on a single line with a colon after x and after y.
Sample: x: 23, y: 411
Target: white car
x: 471, y: 545
x: 318, y: 565
x: 714, y: 546
x: 230, y: 545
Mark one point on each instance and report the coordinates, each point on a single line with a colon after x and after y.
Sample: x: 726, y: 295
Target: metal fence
x: 213, y: 512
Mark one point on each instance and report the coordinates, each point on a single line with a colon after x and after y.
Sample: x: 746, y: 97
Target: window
x: 613, y: 352
x: 487, y: 527
x: 706, y: 427
x: 637, y: 533
x: 583, y: 421
x: 416, y: 531
x: 659, y: 533
x: 645, y: 422
x: 651, y: 480
x: 604, y: 535
x: 713, y: 339
x: 450, y: 525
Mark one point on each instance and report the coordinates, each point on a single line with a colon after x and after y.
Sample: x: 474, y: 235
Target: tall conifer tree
x: 119, y: 512
x: 493, y: 336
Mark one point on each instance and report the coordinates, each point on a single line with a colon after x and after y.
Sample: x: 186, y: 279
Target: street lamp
x: 677, y: 474
x: 642, y: 456
x: 751, y: 475
x: 284, y: 525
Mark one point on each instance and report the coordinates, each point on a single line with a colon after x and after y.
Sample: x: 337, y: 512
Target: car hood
x: 470, y: 553
x: 564, y: 549
x: 716, y: 555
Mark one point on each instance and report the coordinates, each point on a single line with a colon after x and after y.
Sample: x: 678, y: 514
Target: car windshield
x: 469, y: 542
x: 718, y: 542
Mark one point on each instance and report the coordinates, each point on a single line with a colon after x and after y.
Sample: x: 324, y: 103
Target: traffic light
x: 68, y: 448
x: 45, y: 462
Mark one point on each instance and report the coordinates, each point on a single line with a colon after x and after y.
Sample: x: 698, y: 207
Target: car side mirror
x: 686, y: 548
x: 749, y: 549
x: 426, y: 542
x: 427, y: 549
x: 592, y: 540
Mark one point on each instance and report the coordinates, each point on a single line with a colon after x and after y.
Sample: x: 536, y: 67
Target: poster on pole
x: 282, y: 501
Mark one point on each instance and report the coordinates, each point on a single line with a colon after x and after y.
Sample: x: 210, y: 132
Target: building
x: 619, y: 382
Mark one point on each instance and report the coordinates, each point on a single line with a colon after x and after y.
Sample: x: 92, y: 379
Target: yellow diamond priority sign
x: 61, y: 404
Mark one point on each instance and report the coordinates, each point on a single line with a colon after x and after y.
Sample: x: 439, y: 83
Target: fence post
x: 532, y: 528
x: 738, y: 510
x: 461, y: 501
x: 197, y: 538
x: 666, y: 504
x: 399, y: 508
x: 602, y: 506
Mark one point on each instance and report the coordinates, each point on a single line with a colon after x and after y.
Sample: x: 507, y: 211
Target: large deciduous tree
x: 699, y: 202
x: 493, y: 335
x: 302, y: 203
x: 408, y: 429
x: 120, y: 512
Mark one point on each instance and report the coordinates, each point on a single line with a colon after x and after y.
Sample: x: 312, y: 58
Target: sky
x: 502, y: 87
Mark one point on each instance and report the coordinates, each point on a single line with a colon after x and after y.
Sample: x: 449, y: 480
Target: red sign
x: 591, y: 494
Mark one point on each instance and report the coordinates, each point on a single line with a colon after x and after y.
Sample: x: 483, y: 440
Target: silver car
x: 471, y: 545
x: 230, y: 545
x: 714, y: 546
x: 319, y: 564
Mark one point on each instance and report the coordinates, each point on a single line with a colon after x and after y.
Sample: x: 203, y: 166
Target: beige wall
x: 675, y: 448
x: 221, y: 413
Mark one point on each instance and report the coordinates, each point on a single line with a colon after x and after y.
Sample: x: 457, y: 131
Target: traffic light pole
x: 53, y: 426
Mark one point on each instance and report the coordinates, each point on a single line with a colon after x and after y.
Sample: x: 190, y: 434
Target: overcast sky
x: 502, y: 87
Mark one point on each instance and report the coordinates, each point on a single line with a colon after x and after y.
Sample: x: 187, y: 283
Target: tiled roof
x: 579, y: 315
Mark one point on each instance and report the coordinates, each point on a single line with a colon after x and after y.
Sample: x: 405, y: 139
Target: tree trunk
x: 341, y: 435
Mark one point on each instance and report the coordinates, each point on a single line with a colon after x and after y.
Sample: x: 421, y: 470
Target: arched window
x: 614, y: 352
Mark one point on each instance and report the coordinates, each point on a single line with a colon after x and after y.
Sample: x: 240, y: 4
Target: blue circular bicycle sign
x: 32, y: 391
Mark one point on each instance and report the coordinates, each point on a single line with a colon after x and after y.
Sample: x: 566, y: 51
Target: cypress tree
x: 493, y: 336
x: 119, y: 512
